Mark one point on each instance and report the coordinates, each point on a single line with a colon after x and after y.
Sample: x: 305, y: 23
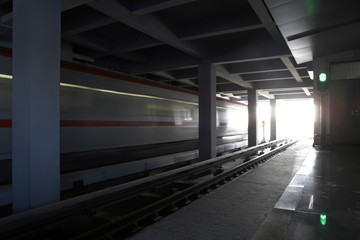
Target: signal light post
x: 323, y: 87
x: 322, y: 83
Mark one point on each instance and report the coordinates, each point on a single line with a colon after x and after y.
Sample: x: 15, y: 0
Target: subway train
x: 103, y: 110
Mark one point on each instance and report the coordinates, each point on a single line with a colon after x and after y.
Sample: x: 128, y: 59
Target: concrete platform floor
x: 328, y: 206
x: 237, y: 210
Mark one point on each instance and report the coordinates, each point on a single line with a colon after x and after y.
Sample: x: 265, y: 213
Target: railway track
x: 120, y: 211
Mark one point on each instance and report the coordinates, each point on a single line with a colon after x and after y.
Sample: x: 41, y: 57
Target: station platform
x: 302, y: 193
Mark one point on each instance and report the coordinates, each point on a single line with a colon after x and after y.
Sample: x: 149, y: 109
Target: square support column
x: 273, y: 120
x: 322, y: 108
x: 252, y: 123
x: 317, y: 130
x: 36, y: 103
x: 207, y: 111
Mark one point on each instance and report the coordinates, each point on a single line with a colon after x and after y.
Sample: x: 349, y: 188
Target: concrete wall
x: 325, y: 125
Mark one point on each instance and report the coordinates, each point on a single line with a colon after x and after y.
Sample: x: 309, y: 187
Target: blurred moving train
x: 106, y: 110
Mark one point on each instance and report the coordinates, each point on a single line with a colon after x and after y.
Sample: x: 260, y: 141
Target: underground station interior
x: 179, y: 119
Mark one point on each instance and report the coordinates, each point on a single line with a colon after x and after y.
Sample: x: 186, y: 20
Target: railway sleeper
x: 218, y: 170
x: 135, y: 227
x: 107, y: 216
x: 171, y: 202
x: 156, y: 216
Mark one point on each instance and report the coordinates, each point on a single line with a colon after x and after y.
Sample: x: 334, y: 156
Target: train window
x: 182, y: 115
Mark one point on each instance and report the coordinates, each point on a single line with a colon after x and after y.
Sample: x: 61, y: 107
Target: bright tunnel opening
x: 295, y: 118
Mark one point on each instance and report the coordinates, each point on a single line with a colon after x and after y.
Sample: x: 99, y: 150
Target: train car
x: 105, y: 110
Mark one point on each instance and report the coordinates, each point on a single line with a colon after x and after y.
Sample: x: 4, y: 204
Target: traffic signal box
x: 322, y: 83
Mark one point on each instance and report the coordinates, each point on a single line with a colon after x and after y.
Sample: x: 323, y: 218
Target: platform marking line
x: 311, y: 202
x: 291, y: 196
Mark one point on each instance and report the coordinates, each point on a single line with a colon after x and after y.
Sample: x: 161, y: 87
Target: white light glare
x: 5, y: 76
x: 311, y: 74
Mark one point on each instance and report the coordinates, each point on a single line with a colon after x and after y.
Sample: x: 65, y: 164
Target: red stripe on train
x: 104, y: 73
x: 75, y: 67
x: 5, y: 52
x: 77, y: 123
x: 7, y: 123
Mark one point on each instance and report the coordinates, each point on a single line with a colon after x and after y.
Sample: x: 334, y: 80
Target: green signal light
x: 322, y: 77
x: 323, y: 219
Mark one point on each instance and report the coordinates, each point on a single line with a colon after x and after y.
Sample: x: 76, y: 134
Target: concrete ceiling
x: 164, y: 40
x: 316, y: 28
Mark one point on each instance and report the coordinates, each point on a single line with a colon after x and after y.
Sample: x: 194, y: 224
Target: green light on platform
x: 323, y: 219
x: 322, y: 77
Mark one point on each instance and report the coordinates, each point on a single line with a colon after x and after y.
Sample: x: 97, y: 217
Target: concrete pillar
x: 35, y: 103
x: 317, y: 131
x: 207, y: 111
x: 323, y: 113
x: 252, y: 123
x: 273, y: 119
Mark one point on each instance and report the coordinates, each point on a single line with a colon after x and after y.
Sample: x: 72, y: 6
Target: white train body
x: 101, y: 110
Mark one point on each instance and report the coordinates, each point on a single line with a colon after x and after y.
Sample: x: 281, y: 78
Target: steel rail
x: 111, y: 195
x: 123, y: 222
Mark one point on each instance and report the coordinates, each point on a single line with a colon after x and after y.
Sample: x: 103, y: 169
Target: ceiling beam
x: 226, y: 82
x: 187, y: 78
x: 267, y: 70
x: 136, y: 44
x: 191, y: 73
x: 293, y: 90
x: 255, y: 50
x: 286, y: 92
x: 126, y: 45
x: 291, y: 68
x: 160, y: 63
x: 93, y: 23
x: 4, y: 1
x: 148, y: 24
x: 238, y: 93
x: 188, y: 82
x: 5, y: 26
x: 293, y: 96
x: 131, y: 57
x: 86, y: 42
x: 222, y: 72
x: 69, y: 4
x: 216, y: 31
x: 164, y: 74
x: 142, y: 43
x: 178, y: 64
x: 230, y: 88
x: 306, y: 91
x: 281, y: 84
x: 172, y: 77
x: 90, y: 24
x: 6, y: 18
x: 65, y: 4
x: 231, y: 95
x: 104, y: 51
x: 261, y: 71
x: 146, y: 7
x: 266, y: 94
x: 264, y: 16
x: 271, y: 79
